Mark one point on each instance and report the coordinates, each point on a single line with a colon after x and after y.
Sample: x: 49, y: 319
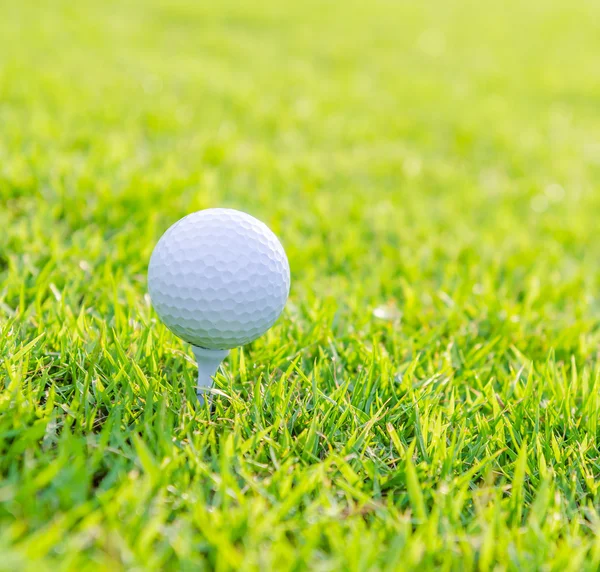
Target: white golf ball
x: 218, y: 278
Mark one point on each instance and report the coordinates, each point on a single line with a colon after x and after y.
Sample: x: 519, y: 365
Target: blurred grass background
x: 430, y: 396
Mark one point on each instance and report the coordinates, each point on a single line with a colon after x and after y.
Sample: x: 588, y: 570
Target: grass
x: 431, y: 396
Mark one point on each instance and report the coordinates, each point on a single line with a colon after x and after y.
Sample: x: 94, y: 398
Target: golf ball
x: 218, y: 278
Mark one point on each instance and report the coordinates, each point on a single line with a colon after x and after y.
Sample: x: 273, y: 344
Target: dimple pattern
x: 218, y: 278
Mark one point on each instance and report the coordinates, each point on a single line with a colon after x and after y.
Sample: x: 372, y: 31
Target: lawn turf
x: 431, y: 396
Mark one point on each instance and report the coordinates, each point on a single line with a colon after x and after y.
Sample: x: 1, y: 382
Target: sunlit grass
x: 431, y: 396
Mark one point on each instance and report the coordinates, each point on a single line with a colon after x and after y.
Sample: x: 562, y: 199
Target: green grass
x: 431, y: 396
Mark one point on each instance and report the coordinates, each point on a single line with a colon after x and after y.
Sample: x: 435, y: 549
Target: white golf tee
x: 208, y: 364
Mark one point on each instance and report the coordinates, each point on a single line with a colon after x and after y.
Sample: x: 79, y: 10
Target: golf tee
x: 208, y: 364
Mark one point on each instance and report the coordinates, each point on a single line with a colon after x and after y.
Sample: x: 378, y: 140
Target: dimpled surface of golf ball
x: 218, y: 278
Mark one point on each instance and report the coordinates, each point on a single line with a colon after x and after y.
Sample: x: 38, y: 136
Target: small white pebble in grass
x: 554, y: 192
x: 387, y: 312
x: 85, y: 266
x: 539, y: 203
